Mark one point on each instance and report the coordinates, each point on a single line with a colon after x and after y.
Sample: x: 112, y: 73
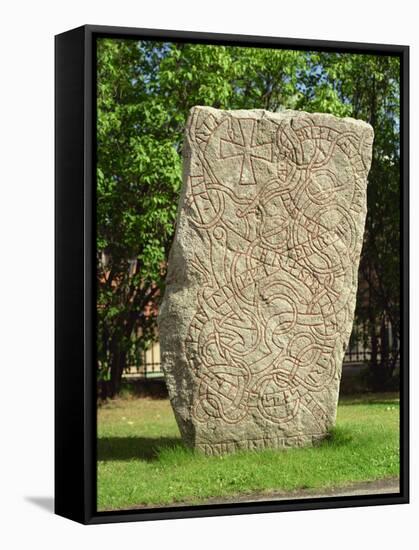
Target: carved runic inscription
x: 262, y: 275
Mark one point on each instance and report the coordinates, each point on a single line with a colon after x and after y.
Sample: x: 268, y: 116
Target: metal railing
x: 148, y: 366
x: 358, y: 352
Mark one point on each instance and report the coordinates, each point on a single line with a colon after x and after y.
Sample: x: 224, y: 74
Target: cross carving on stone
x: 247, y: 147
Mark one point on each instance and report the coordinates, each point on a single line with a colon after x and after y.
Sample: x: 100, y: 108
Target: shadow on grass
x: 127, y: 448
x: 337, y: 437
x: 151, y: 448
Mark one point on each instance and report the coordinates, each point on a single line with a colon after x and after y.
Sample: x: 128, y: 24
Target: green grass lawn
x: 142, y: 460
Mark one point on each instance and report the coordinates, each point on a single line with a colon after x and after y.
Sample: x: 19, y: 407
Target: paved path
x: 379, y: 487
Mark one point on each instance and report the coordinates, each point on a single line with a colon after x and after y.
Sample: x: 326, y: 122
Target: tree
x: 145, y: 91
x: 138, y: 176
x: 368, y: 87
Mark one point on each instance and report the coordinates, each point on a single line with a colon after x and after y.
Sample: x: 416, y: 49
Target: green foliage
x: 369, y: 88
x: 144, y: 92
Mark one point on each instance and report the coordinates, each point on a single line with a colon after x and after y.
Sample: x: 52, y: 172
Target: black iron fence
x: 360, y: 344
x: 148, y: 364
x: 359, y: 352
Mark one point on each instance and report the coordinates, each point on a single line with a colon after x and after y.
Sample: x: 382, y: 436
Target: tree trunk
x: 117, y: 363
x: 117, y: 368
x: 375, y: 374
x: 384, y: 349
x: 374, y: 347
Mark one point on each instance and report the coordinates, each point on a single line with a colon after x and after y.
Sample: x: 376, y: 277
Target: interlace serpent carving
x: 279, y: 280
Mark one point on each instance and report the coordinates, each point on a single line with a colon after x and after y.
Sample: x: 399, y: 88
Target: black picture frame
x: 75, y: 384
